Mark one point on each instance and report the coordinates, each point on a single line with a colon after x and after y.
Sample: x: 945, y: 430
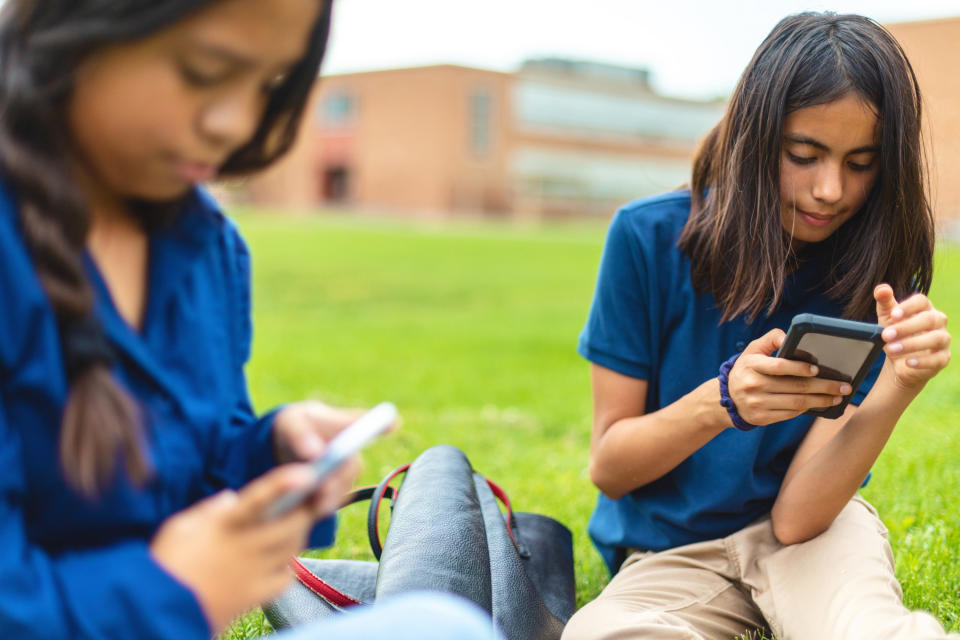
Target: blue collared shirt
x: 75, y: 568
x: 647, y: 322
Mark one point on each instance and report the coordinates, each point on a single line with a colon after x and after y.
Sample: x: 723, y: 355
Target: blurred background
x: 542, y: 110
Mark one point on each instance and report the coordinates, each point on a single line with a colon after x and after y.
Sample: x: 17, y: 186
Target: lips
x: 815, y: 219
x: 195, y: 171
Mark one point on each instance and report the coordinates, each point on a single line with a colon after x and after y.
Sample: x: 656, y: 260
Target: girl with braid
x: 724, y: 508
x: 133, y: 470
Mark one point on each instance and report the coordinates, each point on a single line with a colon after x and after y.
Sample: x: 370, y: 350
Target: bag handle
x: 383, y: 489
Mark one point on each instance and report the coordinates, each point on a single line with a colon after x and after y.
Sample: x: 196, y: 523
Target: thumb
x: 767, y: 343
x: 886, y: 301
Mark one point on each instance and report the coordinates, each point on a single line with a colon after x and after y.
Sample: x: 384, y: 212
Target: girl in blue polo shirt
x: 808, y: 196
x: 133, y: 471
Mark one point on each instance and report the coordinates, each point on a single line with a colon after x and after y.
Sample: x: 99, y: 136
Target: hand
x: 223, y: 550
x: 766, y: 389
x: 300, y: 433
x: 917, y: 340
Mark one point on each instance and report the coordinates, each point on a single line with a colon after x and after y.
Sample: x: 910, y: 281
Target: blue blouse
x: 71, y: 567
x: 648, y: 322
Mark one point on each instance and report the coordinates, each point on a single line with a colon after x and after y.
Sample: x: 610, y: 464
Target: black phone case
x: 811, y: 323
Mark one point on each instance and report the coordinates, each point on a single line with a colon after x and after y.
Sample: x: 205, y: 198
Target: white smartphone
x: 345, y: 444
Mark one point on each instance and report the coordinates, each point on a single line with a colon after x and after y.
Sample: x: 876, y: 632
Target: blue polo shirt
x: 647, y: 322
x: 75, y: 568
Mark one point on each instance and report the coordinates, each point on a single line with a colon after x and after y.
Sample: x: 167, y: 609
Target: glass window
x: 337, y: 110
x: 480, y: 122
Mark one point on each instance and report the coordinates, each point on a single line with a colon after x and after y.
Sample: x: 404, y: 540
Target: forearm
x: 815, y: 493
x: 635, y: 451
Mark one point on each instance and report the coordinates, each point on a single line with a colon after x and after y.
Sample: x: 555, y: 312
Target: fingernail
x: 889, y: 333
x: 837, y: 399
x: 896, y: 347
x: 912, y: 362
x: 845, y: 389
x: 310, y: 445
x: 897, y: 312
x: 303, y: 475
x: 814, y: 369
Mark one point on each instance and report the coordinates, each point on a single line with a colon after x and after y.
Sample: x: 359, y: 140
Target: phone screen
x: 838, y: 358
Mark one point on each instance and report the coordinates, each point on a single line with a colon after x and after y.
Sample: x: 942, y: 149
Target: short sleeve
x: 617, y: 331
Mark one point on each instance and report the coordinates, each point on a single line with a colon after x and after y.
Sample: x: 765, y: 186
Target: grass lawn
x: 471, y: 330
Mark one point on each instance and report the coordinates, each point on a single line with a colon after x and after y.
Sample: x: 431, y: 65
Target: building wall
x: 933, y: 47
x: 447, y: 140
x: 408, y: 146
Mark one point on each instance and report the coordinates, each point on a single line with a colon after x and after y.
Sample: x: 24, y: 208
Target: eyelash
x: 802, y: 161
x: 197, y: 78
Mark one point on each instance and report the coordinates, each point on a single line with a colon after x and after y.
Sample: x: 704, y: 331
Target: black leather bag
x: 447, y: 533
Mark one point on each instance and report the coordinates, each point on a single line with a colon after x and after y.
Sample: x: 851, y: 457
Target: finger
x: 798, y: 403
x: 255, y: 497
x: 929, y: 320
x: 331, y: 493
x: 933, y: 361
x: 930, y: 340
x: 820, y: 386
x: 783, y: 367
x: 886, y: 301
x: 766, y: 344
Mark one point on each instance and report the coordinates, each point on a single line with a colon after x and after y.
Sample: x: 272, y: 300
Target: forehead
x: 843, y: 124
x: 270, y: 31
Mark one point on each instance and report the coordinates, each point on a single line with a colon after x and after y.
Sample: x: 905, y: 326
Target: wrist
x: 711, y: 415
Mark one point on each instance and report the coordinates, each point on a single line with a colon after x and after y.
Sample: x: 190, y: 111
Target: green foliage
x: 472, y: 332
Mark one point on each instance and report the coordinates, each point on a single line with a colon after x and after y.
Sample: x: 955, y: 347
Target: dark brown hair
x: 41, y: 44
x: 734, y: 237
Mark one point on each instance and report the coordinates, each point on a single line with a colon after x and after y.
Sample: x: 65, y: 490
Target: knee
x: 599, y: 620
x: 440, y: 617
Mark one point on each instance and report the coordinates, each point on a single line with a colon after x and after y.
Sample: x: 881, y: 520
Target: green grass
x: 472, y: 331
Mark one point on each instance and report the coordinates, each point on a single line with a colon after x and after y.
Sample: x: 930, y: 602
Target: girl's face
x: 828, y: 165
x: 152, y: 117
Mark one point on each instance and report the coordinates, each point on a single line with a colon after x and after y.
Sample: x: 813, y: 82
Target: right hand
x: 223, y: 550
x: 766, y: 389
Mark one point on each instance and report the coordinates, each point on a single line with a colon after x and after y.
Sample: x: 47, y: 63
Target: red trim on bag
x: 396, y: 494
x: 502, y: 496
x: 323, y: 589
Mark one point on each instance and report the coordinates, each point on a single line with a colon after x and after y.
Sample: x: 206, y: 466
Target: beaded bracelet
x: 726, y: 401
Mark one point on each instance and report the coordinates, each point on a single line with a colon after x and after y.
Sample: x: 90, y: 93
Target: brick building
x: 933, y: 47
x: 556, y: 138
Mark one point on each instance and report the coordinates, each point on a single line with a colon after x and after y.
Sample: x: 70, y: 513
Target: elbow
x: 604, y: 481
x: 790, y: 531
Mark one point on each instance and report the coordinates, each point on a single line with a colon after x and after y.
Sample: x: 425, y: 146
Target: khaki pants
x: 838, y: 585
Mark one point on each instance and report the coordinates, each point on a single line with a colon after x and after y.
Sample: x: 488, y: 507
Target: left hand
x: 916, y: 337
x: 301, y: 432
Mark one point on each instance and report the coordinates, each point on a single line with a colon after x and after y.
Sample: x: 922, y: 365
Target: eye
x: 801, y: 160
x: 200, y: 78
x: 856, y: 166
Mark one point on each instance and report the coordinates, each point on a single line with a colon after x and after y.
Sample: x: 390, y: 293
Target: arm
x: 836, y: 456
x: 115, y: 591
x: 630, y: 449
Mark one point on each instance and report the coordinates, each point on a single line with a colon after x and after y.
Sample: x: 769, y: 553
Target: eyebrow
x: 872, y: 148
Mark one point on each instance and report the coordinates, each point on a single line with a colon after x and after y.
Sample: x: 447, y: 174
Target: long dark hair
x: 734, y: 237
x: 41, y: 44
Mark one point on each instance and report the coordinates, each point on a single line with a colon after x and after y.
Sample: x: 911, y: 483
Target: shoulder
x: 656, y: 222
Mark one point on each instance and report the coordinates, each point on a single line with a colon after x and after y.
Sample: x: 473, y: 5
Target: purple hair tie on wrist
x: 726, y: 401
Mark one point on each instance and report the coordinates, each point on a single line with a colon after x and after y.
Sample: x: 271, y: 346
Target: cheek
x: 123, y: 122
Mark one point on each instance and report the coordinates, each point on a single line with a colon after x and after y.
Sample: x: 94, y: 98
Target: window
x: 481, y: 113
x: 337, y: 110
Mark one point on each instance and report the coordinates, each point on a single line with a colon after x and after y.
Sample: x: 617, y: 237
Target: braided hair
x: 41, y: 44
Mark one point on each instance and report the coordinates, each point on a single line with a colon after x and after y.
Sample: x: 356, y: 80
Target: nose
x: 828, y: 184
x: 231, y: 120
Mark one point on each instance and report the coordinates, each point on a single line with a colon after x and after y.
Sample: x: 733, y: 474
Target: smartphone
x: 345, y: 444
x: 842, y: 349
